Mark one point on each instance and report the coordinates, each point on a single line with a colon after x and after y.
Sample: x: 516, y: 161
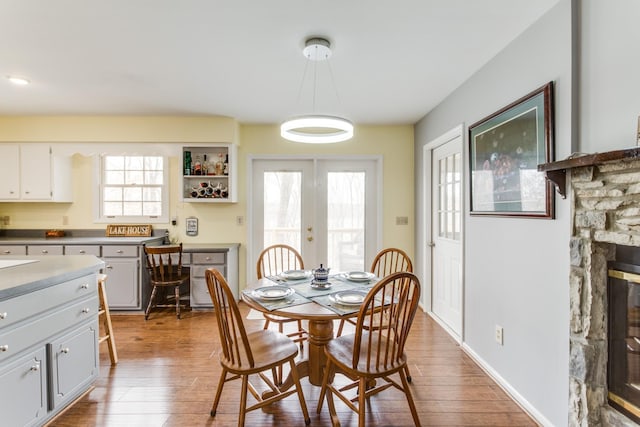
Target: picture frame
x: 505, y: 150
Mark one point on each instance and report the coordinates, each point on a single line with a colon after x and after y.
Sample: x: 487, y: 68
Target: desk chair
x: 165, y: 270
x: 376, y: 352
x: 244, y: 354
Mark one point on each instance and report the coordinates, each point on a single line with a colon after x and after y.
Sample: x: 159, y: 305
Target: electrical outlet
x: 499, y: 335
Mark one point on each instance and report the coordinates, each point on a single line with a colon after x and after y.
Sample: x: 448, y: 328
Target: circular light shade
x: 317, y: 129
x: 18, y: 80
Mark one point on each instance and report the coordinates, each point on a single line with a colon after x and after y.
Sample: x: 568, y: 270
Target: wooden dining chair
x: 244, y: 354
x: 387, y: 261
x: 272, y: 261
x: 165, y: 271
x: 372, y: 355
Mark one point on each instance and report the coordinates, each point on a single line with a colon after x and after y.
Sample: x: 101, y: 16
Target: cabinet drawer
x: 200, y: 294
x: 208, y: 258
x: 198, y: 270
x: 25, y: 306
x: 45, y: 250
x: 13, y: 250
x: 82, y: 250
x: 20, y: 338
x: 119, y: 251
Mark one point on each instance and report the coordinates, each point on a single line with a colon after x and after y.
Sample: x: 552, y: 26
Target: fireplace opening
x: 623, y: 365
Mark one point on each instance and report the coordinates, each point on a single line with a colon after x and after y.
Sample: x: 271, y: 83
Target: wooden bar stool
x: 104, y: 311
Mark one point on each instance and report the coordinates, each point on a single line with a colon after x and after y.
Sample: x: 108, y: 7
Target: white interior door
x: 447, y: 234
x: 325, y: 208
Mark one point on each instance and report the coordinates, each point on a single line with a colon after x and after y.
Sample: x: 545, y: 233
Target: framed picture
x: 505, y: 149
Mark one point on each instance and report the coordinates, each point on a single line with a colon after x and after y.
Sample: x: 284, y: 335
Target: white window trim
x: 99, y: 218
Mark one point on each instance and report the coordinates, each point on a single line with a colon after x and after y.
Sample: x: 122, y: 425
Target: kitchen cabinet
x: 32, y: 173
x: 209, y: 174
x: 13, y: 249
x: 45, y: 250
x: 48, y: 338
x: 203, y: 256
x: 122, y: 266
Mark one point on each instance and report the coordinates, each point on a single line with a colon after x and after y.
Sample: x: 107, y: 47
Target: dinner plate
x: 295, y: 274
x: 348, y: 297
x: 273, y: 292
x: 359, y: 276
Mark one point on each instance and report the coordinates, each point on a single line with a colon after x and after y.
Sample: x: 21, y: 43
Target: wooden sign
x: 128, y: 230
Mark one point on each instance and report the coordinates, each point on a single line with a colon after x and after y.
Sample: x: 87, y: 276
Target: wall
x: 217, y: 223
x: 516, y: 270
x: 610, y: 87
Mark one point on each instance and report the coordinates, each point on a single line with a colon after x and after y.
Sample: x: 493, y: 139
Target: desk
x: 320, y: 331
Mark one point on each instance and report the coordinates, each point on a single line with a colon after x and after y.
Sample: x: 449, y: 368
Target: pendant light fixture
x: 314, y: 128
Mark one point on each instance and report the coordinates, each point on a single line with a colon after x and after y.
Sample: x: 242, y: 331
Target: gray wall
x: 516, y: 270
x: 610, y: 81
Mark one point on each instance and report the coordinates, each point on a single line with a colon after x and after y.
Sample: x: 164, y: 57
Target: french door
x: 325, y: 208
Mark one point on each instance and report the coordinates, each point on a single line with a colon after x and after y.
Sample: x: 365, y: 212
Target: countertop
x: 47, y: 271
x: 74, y: 237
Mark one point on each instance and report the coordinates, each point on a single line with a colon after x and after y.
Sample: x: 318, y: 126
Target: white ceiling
x: 392, y: 61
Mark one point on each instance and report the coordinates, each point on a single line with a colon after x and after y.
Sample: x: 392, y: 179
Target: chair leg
x: 296, y: 381
x: 325, y: 383
x: 407, y: 373
x: 339, y: 333
x: 177, y: 293
x: 335, y: 422
x: 108, y: 327
x: 412, y: 405
x: 279, y: 379
x: 362, y: 400
x: 243, y: 400
x: 216, y: 400
x: 153, y: 297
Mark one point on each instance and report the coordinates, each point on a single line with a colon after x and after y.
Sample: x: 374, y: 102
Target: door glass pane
x: 282, y: 208
x: 345, y: 220
x: 449, y: 197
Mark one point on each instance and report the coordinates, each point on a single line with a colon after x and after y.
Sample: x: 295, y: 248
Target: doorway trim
x: 379, y: 166
x: 427, y: 223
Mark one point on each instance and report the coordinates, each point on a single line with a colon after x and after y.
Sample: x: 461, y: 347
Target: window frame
x: 100, y: 217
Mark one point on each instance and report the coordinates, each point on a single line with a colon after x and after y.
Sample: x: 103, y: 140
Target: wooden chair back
x: 164, y: 263
x: 278, y: 258
x: 384, y: 321
x: 391, y: 260
x: 236, y: 350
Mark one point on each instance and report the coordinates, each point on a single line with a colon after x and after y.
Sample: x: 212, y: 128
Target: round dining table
x: 320, y: 331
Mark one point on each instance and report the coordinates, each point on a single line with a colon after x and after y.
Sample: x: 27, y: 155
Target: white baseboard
x: 507, y: 388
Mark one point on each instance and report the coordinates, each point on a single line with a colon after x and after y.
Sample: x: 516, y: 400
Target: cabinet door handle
x: 35, y: 368
x: 86, y: 310
x: 85, y: 286
x: 119, y: 251
x: 65, y: 350
x: 4, y: 348
x: 82, y: 252
x: 26, y: 192
x: 44, y: 251
x: 3, y: 315
x: 7, y: 252
x: 208, y: 258
x: 109, y: 267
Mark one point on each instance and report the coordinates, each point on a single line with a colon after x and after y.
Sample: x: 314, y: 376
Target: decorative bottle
x: 187, y: 162
x: 226, y: 165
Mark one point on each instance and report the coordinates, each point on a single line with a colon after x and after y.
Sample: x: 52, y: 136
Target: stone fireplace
x: 605, y: 192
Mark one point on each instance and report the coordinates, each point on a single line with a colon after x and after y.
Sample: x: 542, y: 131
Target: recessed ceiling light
x: 18, y: 80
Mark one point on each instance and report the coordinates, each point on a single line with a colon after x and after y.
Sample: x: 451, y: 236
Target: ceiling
x: 392, y: 61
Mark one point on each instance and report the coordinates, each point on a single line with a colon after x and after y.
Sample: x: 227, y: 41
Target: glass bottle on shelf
x: 226, y: 165
x: 187, y: 162
x: 205, y: 166
x: 197, y: 165
x: 219, y: 165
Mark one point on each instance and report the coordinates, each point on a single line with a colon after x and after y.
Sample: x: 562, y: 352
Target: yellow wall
x: 217, y: 222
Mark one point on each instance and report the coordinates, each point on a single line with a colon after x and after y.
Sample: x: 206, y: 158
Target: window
x: 133, y: 188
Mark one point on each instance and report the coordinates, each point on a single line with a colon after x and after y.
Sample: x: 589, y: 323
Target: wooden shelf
x: 556, y: 171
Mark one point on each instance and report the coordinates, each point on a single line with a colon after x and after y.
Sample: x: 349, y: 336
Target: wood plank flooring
x: 168, y: 372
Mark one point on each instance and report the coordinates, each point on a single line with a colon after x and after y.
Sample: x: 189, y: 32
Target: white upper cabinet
x: 32, y: 173
x: 209, y: 174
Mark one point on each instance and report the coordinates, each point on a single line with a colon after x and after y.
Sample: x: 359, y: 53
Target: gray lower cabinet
x: 24, y: 383
x: 13, y: 249
x: 45, y: 250
x: 48, y: 350
x: 123, y: 283
x: 223, y: 257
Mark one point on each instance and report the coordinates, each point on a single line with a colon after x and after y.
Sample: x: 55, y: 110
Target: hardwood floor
x: 168, y: 372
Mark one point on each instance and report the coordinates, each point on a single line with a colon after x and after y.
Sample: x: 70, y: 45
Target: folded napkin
x: 271, y: 305
x: 342, y: 310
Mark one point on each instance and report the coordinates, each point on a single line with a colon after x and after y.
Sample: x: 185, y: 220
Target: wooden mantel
x: 556, y: 171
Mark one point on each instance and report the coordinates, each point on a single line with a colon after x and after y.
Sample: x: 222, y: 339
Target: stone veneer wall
x: 606, y: 212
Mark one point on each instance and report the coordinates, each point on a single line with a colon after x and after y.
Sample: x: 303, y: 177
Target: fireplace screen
x: 623, y: 369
